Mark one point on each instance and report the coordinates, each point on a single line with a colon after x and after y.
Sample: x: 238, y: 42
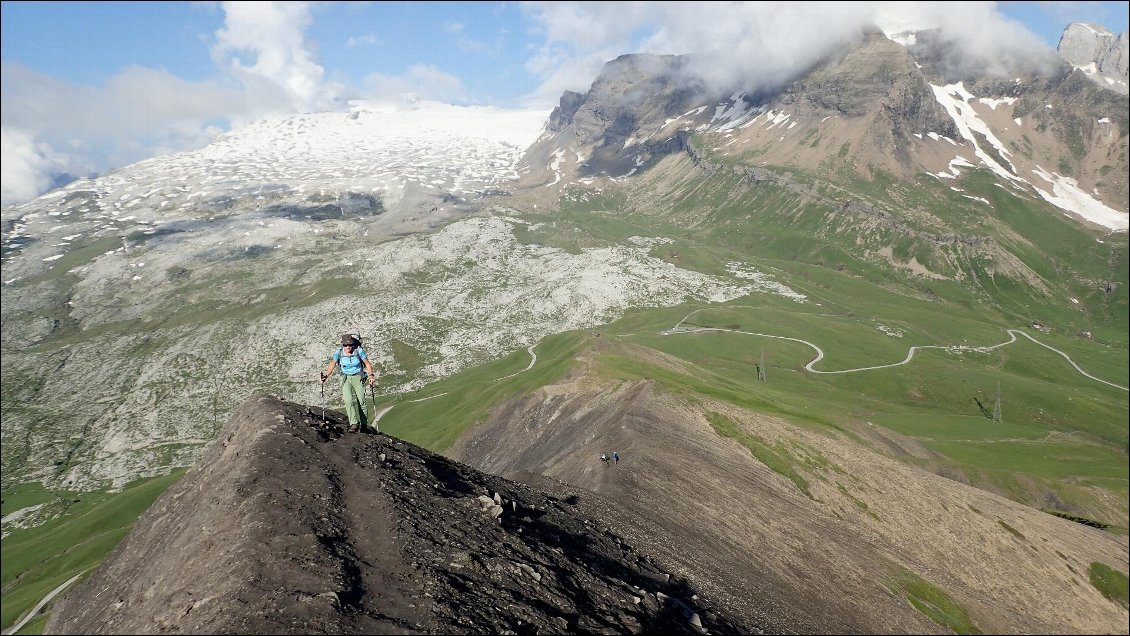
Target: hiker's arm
x: 372, y: 373
x: 329, y: 370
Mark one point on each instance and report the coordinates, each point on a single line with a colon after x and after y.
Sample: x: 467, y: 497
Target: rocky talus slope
x: 288, y: 525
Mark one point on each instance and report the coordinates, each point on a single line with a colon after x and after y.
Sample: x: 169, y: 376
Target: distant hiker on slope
x: 352, y: 358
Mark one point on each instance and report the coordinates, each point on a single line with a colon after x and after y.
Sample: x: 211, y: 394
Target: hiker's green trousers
x: 353, y: 391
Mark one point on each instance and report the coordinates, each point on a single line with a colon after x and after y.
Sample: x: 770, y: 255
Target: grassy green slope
x: 36, y: 560
x: 1062, y: 438
x: 1008, y: 263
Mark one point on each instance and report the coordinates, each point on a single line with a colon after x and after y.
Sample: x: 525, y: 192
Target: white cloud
x: 979, y: 38
x: 52, y: 126
x: 756, y: 45
x: 420, y: 82
x: 578, y: 38
x: 273, y: 35
x: 138, y: 113
x: 24, y: 167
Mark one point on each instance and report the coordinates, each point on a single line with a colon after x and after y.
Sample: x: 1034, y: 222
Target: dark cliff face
x: 562, y: 116
x: 287, y: 525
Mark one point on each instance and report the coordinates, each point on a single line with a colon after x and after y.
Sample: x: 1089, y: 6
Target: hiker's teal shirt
x: 351, y: 364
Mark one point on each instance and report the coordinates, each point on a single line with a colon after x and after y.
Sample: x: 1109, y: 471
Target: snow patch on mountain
x: 1066, y: 194
x: 956, y: 101
x: 954, y: 164
x: 732, y: 114
x: 993, y: 103
x: 558, y: 155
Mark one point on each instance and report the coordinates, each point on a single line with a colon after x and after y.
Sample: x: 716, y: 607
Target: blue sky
x: 90, y: 86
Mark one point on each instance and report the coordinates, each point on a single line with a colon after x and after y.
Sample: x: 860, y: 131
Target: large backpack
x: 357, y: 349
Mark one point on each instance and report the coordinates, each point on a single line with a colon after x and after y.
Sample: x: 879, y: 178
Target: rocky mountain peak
x: 1102, y: 55
x: 633, y: 91
x: 877, y: 71
x: 633, y: 98
x: 288, y: 525
x: 877, y: 88
x: 562, y: 115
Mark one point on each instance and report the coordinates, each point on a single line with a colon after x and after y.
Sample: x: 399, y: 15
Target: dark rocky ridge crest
x: 287, y: 525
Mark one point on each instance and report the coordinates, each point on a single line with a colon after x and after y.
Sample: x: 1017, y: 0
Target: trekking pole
x: 373, y: 391
x: 323, y: 376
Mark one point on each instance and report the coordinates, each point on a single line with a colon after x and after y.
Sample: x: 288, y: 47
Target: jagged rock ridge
x: 288, y: 526
x: 1102, y: 55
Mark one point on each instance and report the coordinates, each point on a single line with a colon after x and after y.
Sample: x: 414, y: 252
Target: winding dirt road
x: 678, y: 328
x: 46, y: 599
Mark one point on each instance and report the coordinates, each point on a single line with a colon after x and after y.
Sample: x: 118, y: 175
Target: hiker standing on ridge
x: 354, y: 367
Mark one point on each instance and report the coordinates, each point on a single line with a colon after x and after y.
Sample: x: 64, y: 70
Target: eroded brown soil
x: 289, y: 525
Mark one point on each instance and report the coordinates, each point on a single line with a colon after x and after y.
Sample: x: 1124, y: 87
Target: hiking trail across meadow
x: 678, y: 328
x: 533, y: 359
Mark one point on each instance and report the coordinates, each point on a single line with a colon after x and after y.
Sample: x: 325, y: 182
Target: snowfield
x: 459, y: 151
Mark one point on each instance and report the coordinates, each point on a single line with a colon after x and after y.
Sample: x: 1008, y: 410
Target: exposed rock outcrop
x: 1102, y: 55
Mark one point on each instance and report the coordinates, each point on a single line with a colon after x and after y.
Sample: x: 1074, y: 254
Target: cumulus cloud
x: 577, y: 39
x: 754, y: 46
x: 273, y: 35
x: 51, y: 126
x: 975, y: 37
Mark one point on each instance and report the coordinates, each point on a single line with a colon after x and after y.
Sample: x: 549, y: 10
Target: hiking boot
x: 353, y: 428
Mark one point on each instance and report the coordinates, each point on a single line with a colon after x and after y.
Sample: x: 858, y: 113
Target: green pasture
x: 1110, y: 582
x: 36, y: 560
x: 436, y: 415
x: 1058, y: 427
